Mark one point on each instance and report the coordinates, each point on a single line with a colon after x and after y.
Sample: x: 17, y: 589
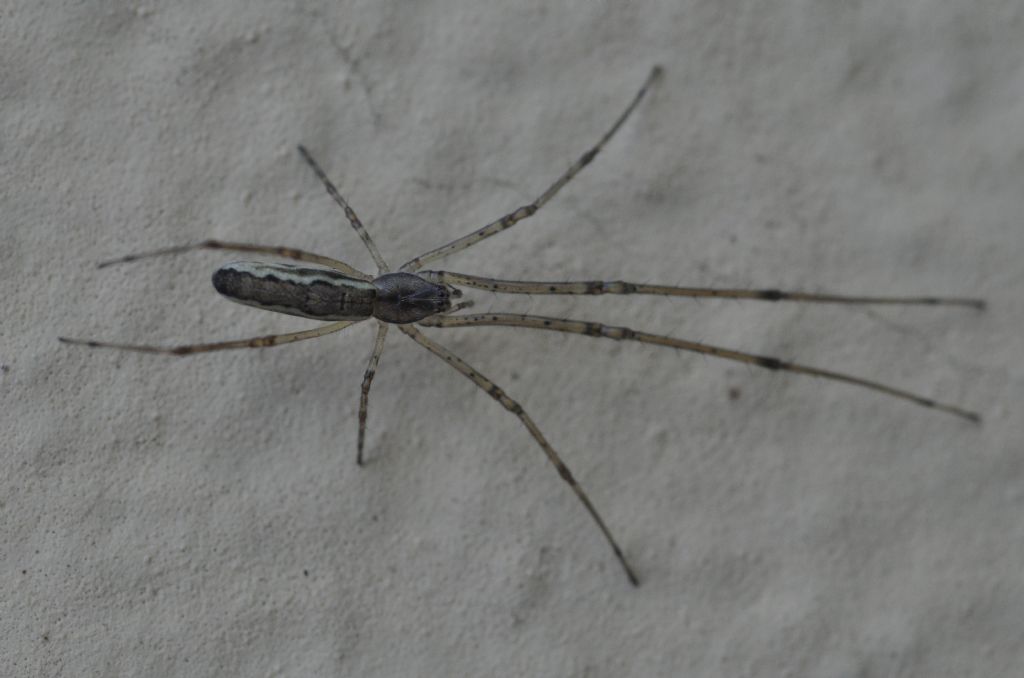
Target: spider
x: 329, y: 290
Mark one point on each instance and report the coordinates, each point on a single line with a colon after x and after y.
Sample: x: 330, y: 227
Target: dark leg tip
x: 111, y: 262
x: 78, y: 342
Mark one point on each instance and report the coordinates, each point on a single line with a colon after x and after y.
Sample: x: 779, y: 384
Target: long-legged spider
x: 335, y: 291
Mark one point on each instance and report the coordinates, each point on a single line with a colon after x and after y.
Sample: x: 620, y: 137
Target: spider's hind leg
x: 283, y: 252
x: 190, y: 349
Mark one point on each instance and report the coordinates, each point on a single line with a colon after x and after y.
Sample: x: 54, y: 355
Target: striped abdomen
x: 305, y: 291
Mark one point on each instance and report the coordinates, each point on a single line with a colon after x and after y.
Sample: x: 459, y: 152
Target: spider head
x: 406, y: 297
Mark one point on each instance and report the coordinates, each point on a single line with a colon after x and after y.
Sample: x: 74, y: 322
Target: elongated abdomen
x: 305, y: 291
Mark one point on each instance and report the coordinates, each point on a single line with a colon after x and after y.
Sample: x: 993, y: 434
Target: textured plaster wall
x: 205, y: 517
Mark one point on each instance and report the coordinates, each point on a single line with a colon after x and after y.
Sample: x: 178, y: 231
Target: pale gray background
x: 205, y: 517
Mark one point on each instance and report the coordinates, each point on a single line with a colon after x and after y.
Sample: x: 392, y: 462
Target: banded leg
x: 597, y: 287
x: 364, y: 395
x: 382, y: 266
x: 515, y: 408
x: 518, y: 215
x: 255, y: 342
x: 624, y: 333
x: 284, y: 252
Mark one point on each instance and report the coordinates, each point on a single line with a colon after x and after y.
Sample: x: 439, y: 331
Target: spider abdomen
x: 305, y: 291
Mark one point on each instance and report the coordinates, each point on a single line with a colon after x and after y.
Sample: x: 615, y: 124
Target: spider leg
x: 364, y: 394
x: 382, y: 266
x: 597, y: 287
x: 518, y: 215
x: 284, y: 252
x: 624, y: 333
x: 255, y: 342
x: 515, y: 408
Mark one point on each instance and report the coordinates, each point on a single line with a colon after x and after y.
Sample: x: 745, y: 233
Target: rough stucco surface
x: 205, y: 517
